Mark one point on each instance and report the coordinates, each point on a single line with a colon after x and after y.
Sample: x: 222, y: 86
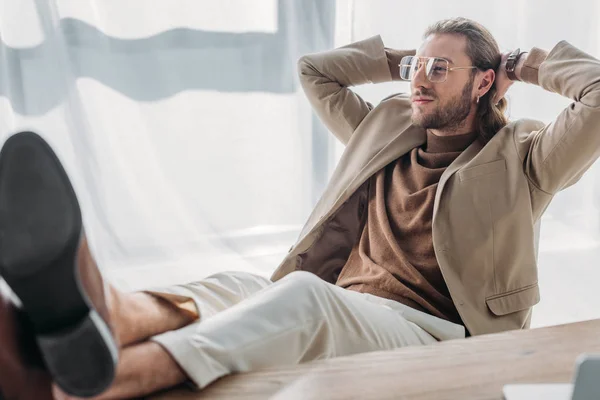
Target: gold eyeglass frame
x: 429, y: 59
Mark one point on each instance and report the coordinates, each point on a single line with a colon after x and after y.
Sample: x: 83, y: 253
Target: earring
x: 477, y: 99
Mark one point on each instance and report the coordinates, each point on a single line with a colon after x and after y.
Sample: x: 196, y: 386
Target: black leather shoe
x: 45, y: 260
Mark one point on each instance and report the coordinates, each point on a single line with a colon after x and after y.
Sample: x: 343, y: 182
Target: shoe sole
x: 40, y: 233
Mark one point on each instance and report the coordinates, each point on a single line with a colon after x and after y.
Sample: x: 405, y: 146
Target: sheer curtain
x: 569, y: 256
x: 193, y: 150
x: 180, y: 122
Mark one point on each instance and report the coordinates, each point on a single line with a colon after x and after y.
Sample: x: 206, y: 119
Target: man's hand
x: 503, y: 82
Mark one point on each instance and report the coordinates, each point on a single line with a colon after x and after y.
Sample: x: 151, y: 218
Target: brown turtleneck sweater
x: 394, y: 256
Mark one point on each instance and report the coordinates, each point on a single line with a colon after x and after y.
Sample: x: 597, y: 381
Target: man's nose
x: 420, y: 78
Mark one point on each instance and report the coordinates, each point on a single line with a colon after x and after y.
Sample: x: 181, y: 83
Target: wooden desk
x: 472, y: 368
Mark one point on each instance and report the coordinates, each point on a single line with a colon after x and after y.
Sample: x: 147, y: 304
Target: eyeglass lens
x: 436, y: 69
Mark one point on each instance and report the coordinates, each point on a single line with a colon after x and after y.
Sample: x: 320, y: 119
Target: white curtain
x: 193, y: 150
x: 180, y: 122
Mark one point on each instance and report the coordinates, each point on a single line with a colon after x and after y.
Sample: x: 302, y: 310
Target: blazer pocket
x: 515, y: 300
x: 483, y: 169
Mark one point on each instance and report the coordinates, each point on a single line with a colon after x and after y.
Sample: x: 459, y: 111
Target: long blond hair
x: 485, y: 54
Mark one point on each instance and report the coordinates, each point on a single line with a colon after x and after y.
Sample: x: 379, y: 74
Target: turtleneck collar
x: 445, y: 144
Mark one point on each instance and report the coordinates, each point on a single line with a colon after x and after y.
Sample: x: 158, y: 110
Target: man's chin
x: 417, y: 119
x: 417, y: 123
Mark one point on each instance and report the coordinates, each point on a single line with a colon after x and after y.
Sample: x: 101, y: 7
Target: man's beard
x: 449, y: 116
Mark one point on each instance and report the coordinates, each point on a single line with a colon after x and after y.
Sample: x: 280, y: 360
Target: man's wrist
x: 520, y: 63
x: 514, y: 61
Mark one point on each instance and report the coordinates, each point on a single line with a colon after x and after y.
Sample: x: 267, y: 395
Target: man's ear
x: 486, y: 82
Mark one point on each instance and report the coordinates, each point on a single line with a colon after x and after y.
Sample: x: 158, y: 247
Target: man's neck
x: 459, y: 130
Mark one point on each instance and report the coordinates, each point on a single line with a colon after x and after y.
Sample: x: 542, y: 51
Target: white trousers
x: 247, y: 322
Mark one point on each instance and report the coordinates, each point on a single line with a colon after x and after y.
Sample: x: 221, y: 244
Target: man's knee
x: 304, y: 281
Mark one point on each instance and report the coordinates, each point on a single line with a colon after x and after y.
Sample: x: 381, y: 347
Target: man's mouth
x: 421, y: 101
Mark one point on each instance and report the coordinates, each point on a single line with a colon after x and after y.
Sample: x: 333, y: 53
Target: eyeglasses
x: 436, y: 68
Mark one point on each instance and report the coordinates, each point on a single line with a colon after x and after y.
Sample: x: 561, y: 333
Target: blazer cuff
x: 375, y: 65
x: 393, y: 59
x: 531, y: 66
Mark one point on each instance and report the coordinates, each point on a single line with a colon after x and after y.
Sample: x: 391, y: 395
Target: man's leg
x: 141, y: 315
x: 297, y: 319
x: 145, y: 367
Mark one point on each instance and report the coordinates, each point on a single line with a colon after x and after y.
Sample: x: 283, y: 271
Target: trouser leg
x: 215, y: 293
x: 296, y: 319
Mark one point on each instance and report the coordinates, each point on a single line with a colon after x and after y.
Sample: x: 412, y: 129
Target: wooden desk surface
x: 472, y: 368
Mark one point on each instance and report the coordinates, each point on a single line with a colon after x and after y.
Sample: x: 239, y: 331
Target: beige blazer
x: 488, y: 200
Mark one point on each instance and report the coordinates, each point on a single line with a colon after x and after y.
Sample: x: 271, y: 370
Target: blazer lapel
x: 345, y: 181
x: 463, y: 159
x: 397, y: 147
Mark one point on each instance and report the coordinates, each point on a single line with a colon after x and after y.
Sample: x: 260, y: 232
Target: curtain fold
x: 180, y: 123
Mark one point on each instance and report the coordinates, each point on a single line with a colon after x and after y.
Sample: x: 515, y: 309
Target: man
x: 425, y: 232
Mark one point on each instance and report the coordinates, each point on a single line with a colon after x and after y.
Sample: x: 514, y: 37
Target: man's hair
x: 485, y: 54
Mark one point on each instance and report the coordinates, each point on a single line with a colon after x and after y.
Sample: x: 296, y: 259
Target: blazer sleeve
x: 557, y: 155
x: 326, y: 79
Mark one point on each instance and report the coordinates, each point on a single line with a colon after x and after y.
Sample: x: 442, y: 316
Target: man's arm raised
x: 326, y: 78
x: 556, y: 156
